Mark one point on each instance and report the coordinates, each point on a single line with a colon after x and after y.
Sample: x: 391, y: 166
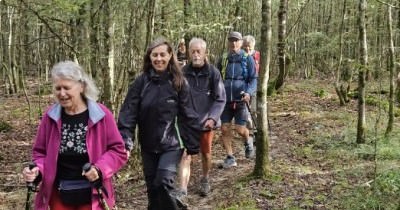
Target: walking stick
x: 254, y: 125
x: 31, y: 187
x: 99, y: 187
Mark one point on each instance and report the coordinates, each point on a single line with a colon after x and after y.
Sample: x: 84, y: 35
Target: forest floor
x: 314, y: 163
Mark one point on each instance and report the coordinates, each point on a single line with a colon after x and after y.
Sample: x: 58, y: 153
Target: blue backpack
x: 243, y: 63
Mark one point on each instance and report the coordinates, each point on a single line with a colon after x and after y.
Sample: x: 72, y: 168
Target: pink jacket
x: 104, y: 144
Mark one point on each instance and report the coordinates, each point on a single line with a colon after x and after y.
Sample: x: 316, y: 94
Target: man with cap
x: 240, y: 81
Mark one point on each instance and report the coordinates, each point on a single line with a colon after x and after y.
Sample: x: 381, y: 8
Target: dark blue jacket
x: 165, y: 117
x: 235, y: 81
x: 207, y: 91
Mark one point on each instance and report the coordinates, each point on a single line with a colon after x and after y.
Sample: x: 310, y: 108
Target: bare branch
x: 387, y: 4
x: 48, y: 26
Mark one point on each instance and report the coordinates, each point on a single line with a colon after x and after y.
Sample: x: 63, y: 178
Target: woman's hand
x: 209, y: 124
x: 91, y: 175
x: 30, y: 174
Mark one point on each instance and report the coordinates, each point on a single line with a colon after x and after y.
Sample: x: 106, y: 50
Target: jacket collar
x: 205, y: 70
x: 95, y: 111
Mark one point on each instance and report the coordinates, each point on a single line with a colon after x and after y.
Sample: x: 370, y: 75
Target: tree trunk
x: 363, y: 59
x: 397, y: 96
x: 391, y: 70
x: 9, y: 65
x: 235, y: 24
x: 23, y: 38
x: 106, y: 57
x: 94, y: 50
x: 150, y: 22
x: 261, y: 168
x: 186, y: 15
x: 282, y: 16
x: 338, y: 69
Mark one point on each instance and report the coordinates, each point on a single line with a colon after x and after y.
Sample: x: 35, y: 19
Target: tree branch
x: 387, y: 4
x: 48, y: 26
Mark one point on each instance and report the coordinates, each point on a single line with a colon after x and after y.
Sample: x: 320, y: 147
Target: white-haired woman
x: 74, y: 131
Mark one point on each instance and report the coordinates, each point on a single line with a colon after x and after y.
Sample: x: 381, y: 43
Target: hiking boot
x: 204, y: 187
x: 249, y: 148
x: 229, y: 162
x: 181, y: 198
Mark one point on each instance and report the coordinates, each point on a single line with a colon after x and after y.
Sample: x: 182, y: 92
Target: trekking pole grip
x: 98, y: 186
x: 31, y: 185
x: 86, y: 167
x: 97, y: 183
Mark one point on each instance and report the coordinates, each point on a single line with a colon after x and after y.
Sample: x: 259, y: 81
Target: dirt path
x: 295, y: 176
x: 290, y: 128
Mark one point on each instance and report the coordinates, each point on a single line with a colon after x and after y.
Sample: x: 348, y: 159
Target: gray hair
x: 73, y: 71
x: 251, y: 40
x: 196, y: 40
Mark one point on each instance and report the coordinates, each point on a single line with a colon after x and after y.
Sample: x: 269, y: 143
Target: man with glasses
x: 240, y: 81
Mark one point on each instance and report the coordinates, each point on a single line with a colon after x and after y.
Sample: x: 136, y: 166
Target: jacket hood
x: 95, y: 111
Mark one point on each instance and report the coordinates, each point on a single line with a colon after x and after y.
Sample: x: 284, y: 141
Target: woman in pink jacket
x: 75, y: 131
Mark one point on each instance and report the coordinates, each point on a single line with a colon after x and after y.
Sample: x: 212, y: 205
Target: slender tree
x: 107, y: 60
x: 338, y: 68
x: 261, y: 168
x: 151, y: 9
x: 363, y: 58
x: 391, y: 70
x: 282, y: 17
x: 186, y: 17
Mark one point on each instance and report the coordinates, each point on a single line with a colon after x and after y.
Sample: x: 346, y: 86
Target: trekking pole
x: 31, y: 187
x: 99, y: 187
x: 251, y: 115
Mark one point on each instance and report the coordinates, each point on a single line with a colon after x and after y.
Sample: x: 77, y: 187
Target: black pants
x: 160, y: 172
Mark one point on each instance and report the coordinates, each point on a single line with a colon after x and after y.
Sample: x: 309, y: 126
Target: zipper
x: 233, y: 74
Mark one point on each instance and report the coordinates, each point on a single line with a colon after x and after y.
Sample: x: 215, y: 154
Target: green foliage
x: 383, y: 103
x: 320, y: 93
x: 373, y: 101
x: 318, y: 42
x: 355, y: 187
x: 44, y: 90
x: 271, y: 88
x: 365, y: 151
x: 381, y: 194
x: 389, y: 148
x: 268, y: 194
x: 4, y: 126
x: 388, y: 182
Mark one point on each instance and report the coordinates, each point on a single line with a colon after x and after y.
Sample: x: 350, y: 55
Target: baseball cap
x: 235, y: 35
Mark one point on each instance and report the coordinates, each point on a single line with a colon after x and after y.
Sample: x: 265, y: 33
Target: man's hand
x: 246, y: 97
x: 209, y: 124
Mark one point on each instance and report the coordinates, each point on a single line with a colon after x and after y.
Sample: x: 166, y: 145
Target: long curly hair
x: 173, y: 65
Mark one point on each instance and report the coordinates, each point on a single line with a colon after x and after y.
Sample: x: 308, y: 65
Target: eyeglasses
x: 233, y: 40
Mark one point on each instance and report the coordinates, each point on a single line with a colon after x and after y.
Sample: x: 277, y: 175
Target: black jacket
x: 207, y: 91
x: 165, y: 118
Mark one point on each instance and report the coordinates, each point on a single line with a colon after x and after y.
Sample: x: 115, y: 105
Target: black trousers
x: 160, y: 172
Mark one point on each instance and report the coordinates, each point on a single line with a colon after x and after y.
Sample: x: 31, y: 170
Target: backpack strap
x: 224, y: 64
x: 243, y: 64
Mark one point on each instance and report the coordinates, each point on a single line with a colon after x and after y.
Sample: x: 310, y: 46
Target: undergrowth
x: 358, y: 184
